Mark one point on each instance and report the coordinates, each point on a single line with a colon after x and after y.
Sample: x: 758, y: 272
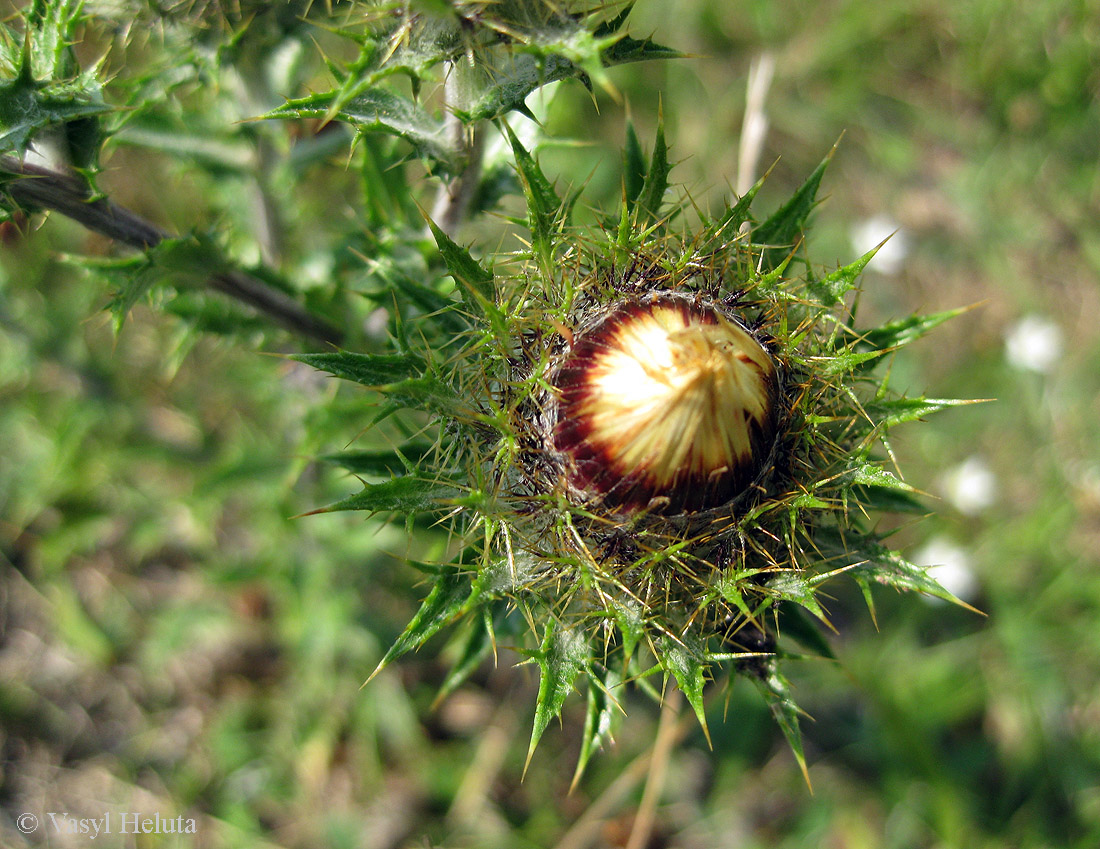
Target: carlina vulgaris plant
x: 652, y: 448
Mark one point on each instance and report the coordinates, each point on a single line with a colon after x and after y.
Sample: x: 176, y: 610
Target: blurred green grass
x: 170, y: 639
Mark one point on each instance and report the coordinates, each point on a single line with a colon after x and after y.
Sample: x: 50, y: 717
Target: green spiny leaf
x: 439, y: 308
x: 181, y: 261
x: 53, y: 25
x: 407, y: 495
x: 628, y: 49
x: 898, y: 410
x: 463, y: 267
x: 782, y: 230
x: 428, y: 394
x: 379, y: 110
x: 890, y: 568
x: 135, y: 284
x: 845, y: 362
x: 26, y: 108
x: 475, y: 281
x: 631, y: 626
x: 450, y: 594
x: 730, y: 592
x: 512, y: 83
x: 561, y: 657
x: 397, y: 376
x: 867, y: 474
x: 790, y: 586
x: 871, y: 561
x: 899, y: 333
x: 832, y: 287
x: 873, y: 498
x: 635, y: 166
x: 373, y: 370
x: 543, y: 204
x: 46, y: 87
x: 651, y: 196
x: 716, y: 236
x: 875, y: 488
x: 776, y: 691
x: 689, y: 668
x: 600, y: 714
x: 378, y: 462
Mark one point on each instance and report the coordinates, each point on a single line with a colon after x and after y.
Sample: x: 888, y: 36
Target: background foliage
x: 172, y: 640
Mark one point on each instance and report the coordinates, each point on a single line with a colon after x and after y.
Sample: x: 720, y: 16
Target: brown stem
x: 37, y: 187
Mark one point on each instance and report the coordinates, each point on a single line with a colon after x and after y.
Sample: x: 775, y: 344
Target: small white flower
x: 971, y: 486
x: 1034, y: 344
x: 950, y: 565
x: 869, y: 232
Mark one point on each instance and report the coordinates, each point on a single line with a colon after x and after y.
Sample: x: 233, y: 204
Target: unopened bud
x: 666, y: 404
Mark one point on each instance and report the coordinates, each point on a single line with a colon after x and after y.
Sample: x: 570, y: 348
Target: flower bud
x: 666, y: 404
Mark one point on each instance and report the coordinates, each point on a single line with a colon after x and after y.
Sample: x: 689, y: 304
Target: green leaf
x: 407, y: 495
x: 599, y: 719
x: 688, y: 667
x: 428, y: 394
x: 870, y: 561
x: 561, y: 657
x: 449, y: 596
x: 888, y: 500
x: 789, y: 586
x: 832, y: 287
x: 378, y: 462
x: 543, y: 204
x: 136, y: 282
x: 776, y: 691
x: 635, y: 165
x: 180, y: 261
x: 878, y: 489
x: 888, y: 567
x: 379, y: 110
x: 628, y: 49
x: 373, y: 370
x: 27, y: 108
x: 718, y: 235
x: 845, y: 362
x: 549, y: 52
x: 730, y: 591
x: 46, y: 87
x: 397, y: 376
x: 52, y: 26
x: 475, y: 281
x: 779, y: 234
x: 867, y: 474
x: 651, y: 196
x: 628, y: 618
x: 513, y: 82
x: 899, y: 410
x: 898, y: 333
x: 438, y: 308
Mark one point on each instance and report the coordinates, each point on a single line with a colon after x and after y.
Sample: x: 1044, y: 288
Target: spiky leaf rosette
x: 651, y: 449
x: 492, y: 54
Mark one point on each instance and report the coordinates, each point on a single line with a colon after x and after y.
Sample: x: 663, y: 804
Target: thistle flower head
x: 654, y: 448
x: 665, y: 403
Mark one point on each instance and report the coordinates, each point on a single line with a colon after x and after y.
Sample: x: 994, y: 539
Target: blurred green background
x: 172, y: 640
